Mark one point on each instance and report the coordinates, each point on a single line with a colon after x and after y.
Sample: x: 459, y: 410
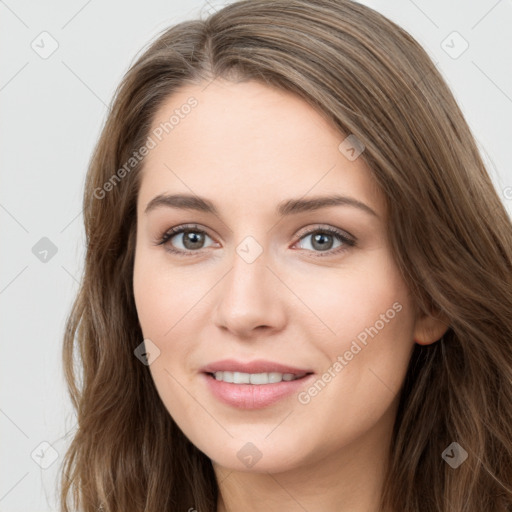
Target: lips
x: 252, y: 396
x: 256, y: 366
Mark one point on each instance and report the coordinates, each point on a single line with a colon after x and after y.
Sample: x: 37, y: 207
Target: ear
x: 430, y: 327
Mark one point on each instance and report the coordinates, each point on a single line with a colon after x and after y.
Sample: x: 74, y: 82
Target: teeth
x: 255, y: 378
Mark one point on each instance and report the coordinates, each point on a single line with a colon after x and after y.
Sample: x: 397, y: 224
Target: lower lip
x: 253, y: 396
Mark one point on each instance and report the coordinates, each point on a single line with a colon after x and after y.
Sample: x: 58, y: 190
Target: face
x: 263, y: 273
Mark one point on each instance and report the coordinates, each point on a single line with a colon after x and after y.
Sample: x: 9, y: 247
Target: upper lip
x: 256, y: 366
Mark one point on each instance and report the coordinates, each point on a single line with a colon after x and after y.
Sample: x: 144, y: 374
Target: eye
x: 192, y: 239
x: 322, y: 241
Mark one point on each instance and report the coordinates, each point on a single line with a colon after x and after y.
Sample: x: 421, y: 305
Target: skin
x: 247, y: 147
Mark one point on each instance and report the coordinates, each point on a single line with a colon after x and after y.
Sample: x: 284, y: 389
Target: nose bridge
x: 248, y: 279
x: 248, y: 296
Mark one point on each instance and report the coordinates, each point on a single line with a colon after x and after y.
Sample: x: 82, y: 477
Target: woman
x: 298, y: 286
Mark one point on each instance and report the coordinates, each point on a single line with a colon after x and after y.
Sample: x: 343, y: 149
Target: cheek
x: 171, y: 308
x: 370, y: 317
x: 367, y: 349
x: 367, y: 301
x: 162, y: 301
x: 162, y: 295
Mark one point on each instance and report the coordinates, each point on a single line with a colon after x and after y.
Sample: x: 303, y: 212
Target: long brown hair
x: 449, y: 232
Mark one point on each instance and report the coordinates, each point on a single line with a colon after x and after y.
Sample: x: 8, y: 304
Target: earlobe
x: 429, y: 328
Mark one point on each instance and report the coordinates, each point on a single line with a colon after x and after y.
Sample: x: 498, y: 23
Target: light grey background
x: 52, y: 112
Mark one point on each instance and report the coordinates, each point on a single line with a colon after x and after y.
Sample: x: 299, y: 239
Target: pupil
x: 193, y: 240
x: 319, y: 238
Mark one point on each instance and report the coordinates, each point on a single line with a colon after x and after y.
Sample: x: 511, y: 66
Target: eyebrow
x: 284, y: 208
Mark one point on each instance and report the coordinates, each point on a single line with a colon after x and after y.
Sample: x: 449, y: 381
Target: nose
x: 250, y: 298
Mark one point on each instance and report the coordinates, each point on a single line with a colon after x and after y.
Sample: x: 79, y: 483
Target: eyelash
x: 167, y: 235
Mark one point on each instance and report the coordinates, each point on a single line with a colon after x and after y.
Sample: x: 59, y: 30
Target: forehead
x: 251, y: 141
x: 246, y: 115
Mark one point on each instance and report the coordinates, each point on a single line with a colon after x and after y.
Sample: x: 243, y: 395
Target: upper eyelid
x: 306, y: 231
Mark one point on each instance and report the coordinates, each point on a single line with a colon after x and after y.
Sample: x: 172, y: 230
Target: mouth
x: 257, y: 379
x: 258, y: 371
x: 253, y: 384
x: 246, y: 391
